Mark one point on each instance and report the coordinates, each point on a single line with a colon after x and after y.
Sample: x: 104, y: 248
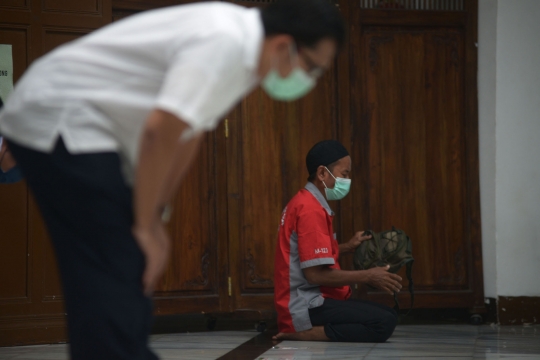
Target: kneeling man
x: 311, y: 291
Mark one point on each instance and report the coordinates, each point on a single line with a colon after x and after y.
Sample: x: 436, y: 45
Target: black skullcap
x: 324, y: 153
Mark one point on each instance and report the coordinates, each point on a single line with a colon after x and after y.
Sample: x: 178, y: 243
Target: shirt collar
x: 254, y: 38
x: 316, y: 192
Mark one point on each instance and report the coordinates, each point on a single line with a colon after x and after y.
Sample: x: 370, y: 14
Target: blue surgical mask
x: 297, y: 84
x: 13, y: 175
x: 340, y: 190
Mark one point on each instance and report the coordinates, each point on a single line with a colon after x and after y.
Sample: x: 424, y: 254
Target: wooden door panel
x: 54, y: 36
x: 18, y: 37
x: 415, y: 148
x: 14, y: 242
x: 14, y: 260
x: 50, y: 276
x: 196, y: 279
x: 31, y: 306
x: 15, y: 4
x: 446, y: 171
x: 257, y: 184
x: 80, y: 6
x: 194, y: 268
x: 46, y: 287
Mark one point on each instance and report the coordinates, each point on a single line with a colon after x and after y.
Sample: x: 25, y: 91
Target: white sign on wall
x: 6, y: 71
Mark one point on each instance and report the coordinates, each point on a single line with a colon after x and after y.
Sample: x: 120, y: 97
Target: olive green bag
x: 391, y: 247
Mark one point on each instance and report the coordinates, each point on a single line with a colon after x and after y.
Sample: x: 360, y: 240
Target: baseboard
x: 31, y: 330
x: 491, y: 317
x: 518, y: 310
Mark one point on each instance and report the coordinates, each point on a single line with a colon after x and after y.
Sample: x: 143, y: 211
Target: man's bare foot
x: 314, y: 334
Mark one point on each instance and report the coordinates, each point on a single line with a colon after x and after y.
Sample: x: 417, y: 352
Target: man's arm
x: 378, y: 277
x: 184, y: 155
x: 163, y: 160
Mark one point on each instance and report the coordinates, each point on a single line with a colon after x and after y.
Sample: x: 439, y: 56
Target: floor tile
x: 369, y: 357
x: 510, y: 356
x: 410, y: 342
x: 414, y: 342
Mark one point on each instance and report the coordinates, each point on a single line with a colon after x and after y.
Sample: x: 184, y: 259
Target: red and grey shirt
x: 305, y: 239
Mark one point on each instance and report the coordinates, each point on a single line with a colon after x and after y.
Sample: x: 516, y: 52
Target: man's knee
x: 386, y: 326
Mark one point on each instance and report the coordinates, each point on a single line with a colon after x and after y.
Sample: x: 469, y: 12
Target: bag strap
x: 411, y: 288
x: 396, y: 302
x: 411, y: 284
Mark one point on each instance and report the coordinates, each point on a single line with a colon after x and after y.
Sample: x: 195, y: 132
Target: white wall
x: 487, y: 28
x: 509, y: 122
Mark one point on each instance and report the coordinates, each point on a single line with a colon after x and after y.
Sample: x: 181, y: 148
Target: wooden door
x: 415, y: 143
x: 193, y: 281
x: 31, y: 306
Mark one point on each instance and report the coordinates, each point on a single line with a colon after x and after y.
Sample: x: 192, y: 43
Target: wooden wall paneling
x: 134, y: 6
x: 80, y: 14
x: 408, y: 112
x: 15, y: 30
x: 14, y: 259
x: 470, y: 92
x: 343, y: 125
x: 55, y: 36
x: 15, y: 4
x: 255, y: 198
x: 353, y: 132
x: 445, y: 148
x: 196, y: 252
x: 222, y: 213
x: 34, y: 27
x: 15, y: 264
x: 47, y: 278
x: 412, y: 133
x: 22, y: 285
x: 63, y: 21
x: 409, y: 18
x: 79, y: 7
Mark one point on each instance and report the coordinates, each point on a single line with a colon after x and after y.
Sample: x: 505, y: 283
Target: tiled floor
x: 192, y: 346
x: 408, y: 342
x: 424, y: 342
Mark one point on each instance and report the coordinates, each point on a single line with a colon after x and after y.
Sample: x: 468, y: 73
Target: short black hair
x: 307, y: 21
x: 313, y: 176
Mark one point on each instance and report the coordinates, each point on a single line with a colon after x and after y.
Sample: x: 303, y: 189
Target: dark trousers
x: 354, y: 320
x: 87, y: 208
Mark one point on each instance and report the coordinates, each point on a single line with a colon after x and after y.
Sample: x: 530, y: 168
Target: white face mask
x: 340, y: 190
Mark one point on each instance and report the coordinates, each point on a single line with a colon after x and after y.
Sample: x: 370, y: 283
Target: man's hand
x: 356, y: 240
x: 380, y: 278
x: 154, y: 243
x: 7, y: 162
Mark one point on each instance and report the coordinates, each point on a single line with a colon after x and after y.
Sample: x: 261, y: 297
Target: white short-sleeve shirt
x: 195, y: 61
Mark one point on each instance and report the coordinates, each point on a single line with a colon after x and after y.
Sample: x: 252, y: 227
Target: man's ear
x: 280, y: 46
x: 320, y: 172
x: 282, y: 42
